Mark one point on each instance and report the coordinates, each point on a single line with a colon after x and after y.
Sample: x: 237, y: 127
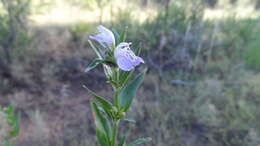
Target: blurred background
x: 202, y: 88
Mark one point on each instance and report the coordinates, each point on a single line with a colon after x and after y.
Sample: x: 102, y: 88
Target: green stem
x: 116, y: 98
x: 115, y: 133
x: 117, y: 78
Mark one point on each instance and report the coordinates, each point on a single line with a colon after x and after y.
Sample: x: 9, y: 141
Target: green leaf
x: 140, y: 141
x: 110, y: 61
x: 127, y: 94
x: 94, y: 64
x: 124, y: 76
x: 106, y: 105
x: 103, y: 127
x: 138, y: 50
x: 97, y: 51
x: 122, y: 141
x: 123, y: 35
x: 117, y: 36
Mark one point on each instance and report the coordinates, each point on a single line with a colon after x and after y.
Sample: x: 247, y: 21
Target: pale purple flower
x: 105, y: 37
x: 125, y: 57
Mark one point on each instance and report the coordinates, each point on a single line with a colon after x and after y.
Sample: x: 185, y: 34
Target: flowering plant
x: 119, y: 62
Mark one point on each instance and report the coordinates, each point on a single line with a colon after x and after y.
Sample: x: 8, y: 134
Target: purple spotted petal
x: 125, y: 57
x: 124, y: 64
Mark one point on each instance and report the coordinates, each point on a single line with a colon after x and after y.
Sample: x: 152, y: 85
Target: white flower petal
x: 105, y: 36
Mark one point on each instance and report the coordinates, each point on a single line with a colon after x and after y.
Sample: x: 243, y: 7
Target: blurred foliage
x: 79, y: 30
x: 252, y: 54
x: 9, y: 125
x: 216, y: 112
x: 90, y: 4
x: 253, y: 57
x: 13, y: 36
x: 40, y: 6
x: 13, y: 22
x: 179, y: 44
x: 172, y: 35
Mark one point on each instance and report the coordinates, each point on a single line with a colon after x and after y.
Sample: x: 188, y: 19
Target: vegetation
x: 13, y: 37
x: 201, y: 87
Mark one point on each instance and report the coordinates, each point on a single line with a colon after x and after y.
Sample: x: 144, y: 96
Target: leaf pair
x: 126, y: 95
